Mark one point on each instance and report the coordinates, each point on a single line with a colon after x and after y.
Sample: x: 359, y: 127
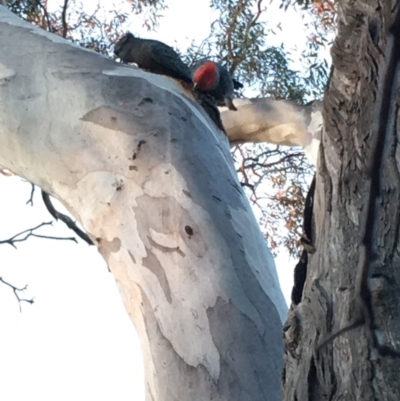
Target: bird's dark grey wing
x: 170, y: 60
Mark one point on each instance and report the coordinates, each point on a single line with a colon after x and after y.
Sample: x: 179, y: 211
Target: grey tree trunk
x: 349, y: 368
x: 146, y: 173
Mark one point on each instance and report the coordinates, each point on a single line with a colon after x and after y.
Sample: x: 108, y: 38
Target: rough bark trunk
x: 136, y: 161
x: 349, y: 368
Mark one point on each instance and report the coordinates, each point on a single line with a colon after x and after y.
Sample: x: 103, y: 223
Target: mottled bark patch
x: 108, y: 247
x: 171, y: 219
x: 182, y: 381
x: 154, y: 265
x: 112, y: 118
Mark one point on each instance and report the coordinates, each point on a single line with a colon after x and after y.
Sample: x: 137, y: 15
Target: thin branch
x: 30, y: 200
x: 229, y: 31
x: 16, y: 290
x: 24, y: 235
x: 236, y: 61
x: 46, y: 15
x: 64, y: 19
x: 268, y: 165
x: 65, y: 219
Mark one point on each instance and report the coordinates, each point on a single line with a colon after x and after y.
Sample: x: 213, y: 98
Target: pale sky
x: 76, y: 342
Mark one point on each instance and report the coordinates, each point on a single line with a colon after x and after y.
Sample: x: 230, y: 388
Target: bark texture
x: 136, y: 161
x: 349, y: 368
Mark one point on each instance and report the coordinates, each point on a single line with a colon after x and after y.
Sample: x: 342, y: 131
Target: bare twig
x: 30, y: 200
x: 64, y: 19
x: 285, y: 173
x: 65, y: 219
x: 24, y: 235
x: 269, y: 165
x: 16, y: 291
x: 46, y: 15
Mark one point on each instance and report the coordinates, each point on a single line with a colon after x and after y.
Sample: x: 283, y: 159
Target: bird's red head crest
x: 206, y: 75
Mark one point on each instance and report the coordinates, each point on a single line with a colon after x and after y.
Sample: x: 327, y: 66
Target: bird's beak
x: 195, y: 86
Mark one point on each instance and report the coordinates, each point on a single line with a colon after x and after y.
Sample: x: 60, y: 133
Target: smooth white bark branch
x: 275, y: 121
x: 144, y: 170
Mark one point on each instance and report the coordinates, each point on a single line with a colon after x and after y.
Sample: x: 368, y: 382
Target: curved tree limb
x: 147, y: 174
x: 65, y: 219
